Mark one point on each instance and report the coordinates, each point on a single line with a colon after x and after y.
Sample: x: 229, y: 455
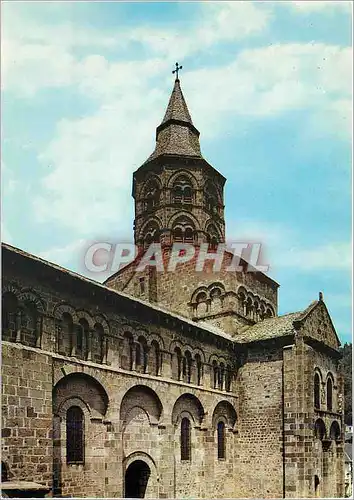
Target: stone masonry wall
x: 260, y: 470
x: 26, y: 377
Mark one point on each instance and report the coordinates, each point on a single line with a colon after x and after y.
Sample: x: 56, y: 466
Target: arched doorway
x: 136, y: 479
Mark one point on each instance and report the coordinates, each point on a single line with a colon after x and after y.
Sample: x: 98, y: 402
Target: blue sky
x: 268, y: 85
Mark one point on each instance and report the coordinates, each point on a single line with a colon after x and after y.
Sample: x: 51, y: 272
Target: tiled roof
x: 269, y: 328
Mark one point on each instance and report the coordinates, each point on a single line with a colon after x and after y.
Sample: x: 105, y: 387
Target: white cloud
x: 46, y: 55
x: 306, y: 6
x: 334, y: 256
x: 93, y: 157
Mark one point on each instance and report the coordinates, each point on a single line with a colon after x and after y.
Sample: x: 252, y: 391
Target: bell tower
x: 179, y: 196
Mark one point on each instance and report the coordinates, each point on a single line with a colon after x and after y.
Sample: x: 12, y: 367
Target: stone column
x: 18, y: 326
x: 89, y: 345
x: 166, y: 364
x: 146, y: 358
x: 133, y: 355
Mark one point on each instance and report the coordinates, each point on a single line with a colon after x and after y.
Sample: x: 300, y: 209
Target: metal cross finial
x: 177, y: 70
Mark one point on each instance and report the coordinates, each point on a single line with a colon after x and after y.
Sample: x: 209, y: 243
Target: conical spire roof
x: 177, y: 107
x: 176, y: 135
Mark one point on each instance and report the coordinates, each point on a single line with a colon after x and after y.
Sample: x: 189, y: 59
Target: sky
x: 268, y: 85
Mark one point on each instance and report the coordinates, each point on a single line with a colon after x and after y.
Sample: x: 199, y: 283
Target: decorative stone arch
x: 242, y: 289
x: 150, y: 178
x: 188, y: 403
x: 174, y: 344
x: 155, y: 337
x: 335, y: 432
x: 126, y: 328
x: 320, y: 429
x: 212, y: 358
x: 197, y: 350
x: 139, y: 455
x: 62, y: 409
x: 201, y: 289
x: 144, y: 397
x: 11, y: 287
x: 319, y: 372
x: 141, y: 332
x: 212, y: 230
x: 187, y: 215
x: 269, y: 308
x: 225, y: 410
x: 80, y: 385
x: 187, y: 347
x: 30, y: 295
x: 185, y: 173
x: 153, y: 479
x: 217, y: 284
x: 62, y: 308
x: 82, y: 314
x: 101, y: 320
x: 153, y: 224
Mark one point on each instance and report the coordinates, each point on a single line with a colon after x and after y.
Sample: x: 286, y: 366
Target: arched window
x: 201, y: 297
x: 183, y: 230
x: 221, y: 440
x: 151, y: 235
x: 185, y: 439
x: 249, y: 306
x: 75, y: 435
x: 182, y: 191
x: 212, y: 237
x: 329, y: 394
x: 269, y: 313
x: 320, y: 429
x: 9, y: 313
x: 188, y: 235
x: 317, y: 391
x: 211, y: 198
x: 151, y: 195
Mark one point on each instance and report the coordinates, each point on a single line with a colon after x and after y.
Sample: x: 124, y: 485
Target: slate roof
x: 177, y: 108
x: 176, y: 135
x: 269, y: 328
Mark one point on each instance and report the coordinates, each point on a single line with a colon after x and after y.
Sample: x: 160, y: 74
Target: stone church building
x: 168, y: 384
